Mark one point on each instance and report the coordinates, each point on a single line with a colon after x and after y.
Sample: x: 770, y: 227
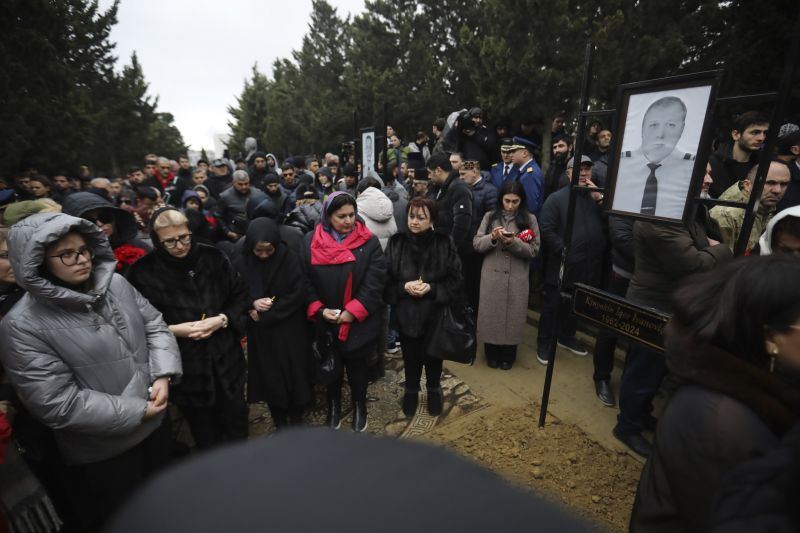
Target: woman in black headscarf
x: 278, y: 347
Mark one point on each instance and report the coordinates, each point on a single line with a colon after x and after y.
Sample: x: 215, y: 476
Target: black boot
x: 334, y: 418
x: 435, y: 401
x: 360, y: 416
x: 279, y: 417
x: 410, y: 400
x: 296, y: 416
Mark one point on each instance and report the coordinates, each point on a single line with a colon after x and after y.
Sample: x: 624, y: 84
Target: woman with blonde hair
x: 202, y: 299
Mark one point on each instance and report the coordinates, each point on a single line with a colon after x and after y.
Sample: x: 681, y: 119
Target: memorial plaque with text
x: 644, y: 325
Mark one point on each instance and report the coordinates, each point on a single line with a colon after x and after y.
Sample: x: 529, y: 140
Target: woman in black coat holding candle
x: 278, y: 346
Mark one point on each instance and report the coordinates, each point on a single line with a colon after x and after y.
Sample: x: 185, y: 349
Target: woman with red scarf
x: 347, y: 272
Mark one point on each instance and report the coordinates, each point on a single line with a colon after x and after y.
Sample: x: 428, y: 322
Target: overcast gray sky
x: 196, y: 54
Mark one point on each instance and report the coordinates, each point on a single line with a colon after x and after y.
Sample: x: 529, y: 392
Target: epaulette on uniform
x: 689, y: 157
x: 626, y: 154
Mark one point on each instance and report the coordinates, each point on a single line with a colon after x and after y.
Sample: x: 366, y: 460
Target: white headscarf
x: 765, y: 242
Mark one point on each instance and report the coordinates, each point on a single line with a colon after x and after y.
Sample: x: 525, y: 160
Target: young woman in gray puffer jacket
x: 90, y: 358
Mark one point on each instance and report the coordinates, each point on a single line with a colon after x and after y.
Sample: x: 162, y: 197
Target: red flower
x: 127, y: 255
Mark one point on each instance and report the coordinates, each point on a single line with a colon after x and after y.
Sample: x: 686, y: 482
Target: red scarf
x: 164, y: 182
x: 325, y: 250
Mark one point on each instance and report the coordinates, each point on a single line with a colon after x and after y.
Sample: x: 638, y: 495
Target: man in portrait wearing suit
x: 654, y: 179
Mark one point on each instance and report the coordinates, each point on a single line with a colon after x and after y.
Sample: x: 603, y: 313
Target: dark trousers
x: 566, y: 322
x: 500, y: 352
x: 225, y: 421
x: 644, y: 371
x: 357, y: 373
x: 471, y: 268
x: 286, y: 416
x: 99, y: 488
x: 376, y: 367
x: 606, y: 343
x: 415, y: 359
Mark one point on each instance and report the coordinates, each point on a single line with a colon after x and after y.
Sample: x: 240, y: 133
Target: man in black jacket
x: 473, y: 140
x: 732, y: 161
x: 664, y: 256
x: 454, y: 200
x: 484, y: 199
x: 585, y: 261
x: 220, y: 179
x: 231, y: 210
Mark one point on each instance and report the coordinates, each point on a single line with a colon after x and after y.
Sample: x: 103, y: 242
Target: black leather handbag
x: 328, y: 368
x: 452, y: 336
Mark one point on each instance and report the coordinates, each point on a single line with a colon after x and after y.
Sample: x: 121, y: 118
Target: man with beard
x: 61, y: 186
x: 275, y: 193
x: 220, y: 179
x: 732, y: 161
x: 289, y: 183
x: 259, y: 170
x: 556, y: 173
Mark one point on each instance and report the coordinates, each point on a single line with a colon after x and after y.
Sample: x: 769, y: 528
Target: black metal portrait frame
x: 361, y: 150
x: 709, y: 79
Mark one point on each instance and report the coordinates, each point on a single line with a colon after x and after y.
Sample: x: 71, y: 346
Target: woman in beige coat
x: 509, y: 238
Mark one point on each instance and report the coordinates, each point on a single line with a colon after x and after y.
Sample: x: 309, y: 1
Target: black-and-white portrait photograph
x: 367, y: 151
x: 657, y: 150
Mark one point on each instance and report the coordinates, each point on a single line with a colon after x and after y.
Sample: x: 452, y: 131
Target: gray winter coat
x: 503, y: 307
x: 81, y: 362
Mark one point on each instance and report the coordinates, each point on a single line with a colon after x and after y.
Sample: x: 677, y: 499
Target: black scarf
x: 259, y: 275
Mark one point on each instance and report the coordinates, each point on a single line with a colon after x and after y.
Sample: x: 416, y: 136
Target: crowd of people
x: 122, y: 295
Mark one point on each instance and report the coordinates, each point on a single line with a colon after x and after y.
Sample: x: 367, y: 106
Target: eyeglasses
x: 172, y: 243
x: 103, y: 217
x: 70, y: 257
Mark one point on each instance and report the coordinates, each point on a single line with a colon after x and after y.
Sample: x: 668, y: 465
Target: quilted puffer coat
x: 82, y: 362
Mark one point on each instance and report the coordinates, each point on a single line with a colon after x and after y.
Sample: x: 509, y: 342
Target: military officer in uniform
x: 501, y: 172
x: 529, y: 174
x: 654, y: 179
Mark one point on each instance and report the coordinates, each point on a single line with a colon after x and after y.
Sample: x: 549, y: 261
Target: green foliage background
x: 61, y: 102
x: 514, y: 58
